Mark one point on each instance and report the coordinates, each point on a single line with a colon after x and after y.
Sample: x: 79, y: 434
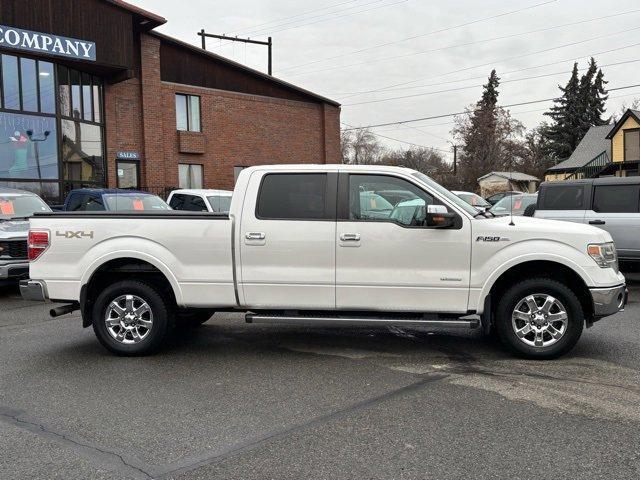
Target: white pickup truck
x: 328, y: 243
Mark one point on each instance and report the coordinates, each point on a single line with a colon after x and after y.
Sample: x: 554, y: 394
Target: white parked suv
x: 200, y: 200
x: 308, y: 243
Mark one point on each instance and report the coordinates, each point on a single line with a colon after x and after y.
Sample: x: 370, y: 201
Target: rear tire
x: 131, y: 318
x: 539, y: 318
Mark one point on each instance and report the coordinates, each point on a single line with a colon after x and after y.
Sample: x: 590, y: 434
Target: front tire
x: 539, y: 318
x: 131, y: 318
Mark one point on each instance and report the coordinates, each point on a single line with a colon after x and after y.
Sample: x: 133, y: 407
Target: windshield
x: 19, y: 206
x: 474, y: 200
x: 140, y: 202
x: 519, y: 202
x: 220, y: 204
x: 452, y: 197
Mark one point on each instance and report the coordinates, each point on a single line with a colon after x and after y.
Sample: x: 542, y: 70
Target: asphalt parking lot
x: 237, y: 401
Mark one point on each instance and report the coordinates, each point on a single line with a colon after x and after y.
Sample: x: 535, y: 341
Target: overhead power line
x: 327, y: 18
x: 502, y: 74
x: 459, y: 45
x: 351, y: 127
x: 517, y: 112
x: 302, y: 14
x: 494, y: 62
x: 413, y: 37
x: 445, y: 115
x: 324, y: 17
x: 436, y: 92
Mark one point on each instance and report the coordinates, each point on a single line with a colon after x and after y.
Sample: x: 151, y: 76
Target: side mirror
x: 439, y: 217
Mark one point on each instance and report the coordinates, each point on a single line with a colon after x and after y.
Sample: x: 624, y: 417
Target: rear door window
x: 564, y: 197
x: 293, y: 196
x: 616, y: 198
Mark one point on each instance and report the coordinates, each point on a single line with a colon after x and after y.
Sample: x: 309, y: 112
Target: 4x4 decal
x: 74, y: 234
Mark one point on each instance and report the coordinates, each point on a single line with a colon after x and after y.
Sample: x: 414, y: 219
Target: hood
x: 577, y: 235
x: 13, y: 229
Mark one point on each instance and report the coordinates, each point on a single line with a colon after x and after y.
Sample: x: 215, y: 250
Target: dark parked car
x: 112, y: 199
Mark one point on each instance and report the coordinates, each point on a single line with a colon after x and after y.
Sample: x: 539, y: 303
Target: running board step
x: 469, y: 322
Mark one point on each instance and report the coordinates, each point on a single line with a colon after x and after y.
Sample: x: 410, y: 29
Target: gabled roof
x: 592, y: 144
x: 629, y: 113
x: 148, y: 20
x: 516, y: 176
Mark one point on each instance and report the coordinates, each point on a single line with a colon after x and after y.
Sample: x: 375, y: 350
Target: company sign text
x: 11, y: 37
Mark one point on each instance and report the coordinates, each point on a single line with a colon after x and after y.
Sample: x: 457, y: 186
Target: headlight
x: 604, y: 254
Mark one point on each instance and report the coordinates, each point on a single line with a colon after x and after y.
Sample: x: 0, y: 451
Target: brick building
x: 91, y: 95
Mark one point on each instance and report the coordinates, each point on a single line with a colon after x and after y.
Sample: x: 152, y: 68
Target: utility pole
x: 268, y: 43
x: 455, y: 159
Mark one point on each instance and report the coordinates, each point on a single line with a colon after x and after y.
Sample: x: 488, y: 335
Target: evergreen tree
x: 560, y: 135
x: 487, y: 135
x: 580, y: 107
x: 598, y: 98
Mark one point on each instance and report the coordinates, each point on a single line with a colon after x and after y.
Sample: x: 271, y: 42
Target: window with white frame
x: 188, y: 112
x: 190, y: 175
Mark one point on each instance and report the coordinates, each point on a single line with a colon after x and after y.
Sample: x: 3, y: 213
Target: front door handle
x: 597, y: 222
x: 350, y: 237
x: 254, y: 236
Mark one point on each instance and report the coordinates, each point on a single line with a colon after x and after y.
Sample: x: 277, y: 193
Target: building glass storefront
x: 51, y: 127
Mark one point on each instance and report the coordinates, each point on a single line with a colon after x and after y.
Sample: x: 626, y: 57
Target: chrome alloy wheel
x: 129, y: 319
x: 539, y: 320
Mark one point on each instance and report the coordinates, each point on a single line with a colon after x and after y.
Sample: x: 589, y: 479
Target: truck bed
x: 192, y: 249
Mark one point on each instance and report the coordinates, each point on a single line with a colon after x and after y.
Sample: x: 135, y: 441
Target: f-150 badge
x: 492, y: 239
x: 74, y: 234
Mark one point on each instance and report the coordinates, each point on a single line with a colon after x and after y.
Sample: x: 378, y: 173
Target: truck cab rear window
x: 294, y: 196
x: 564, y: 197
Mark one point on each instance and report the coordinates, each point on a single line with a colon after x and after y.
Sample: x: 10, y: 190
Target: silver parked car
x: 610, y: 203
x: 516, y: 204
x: 474, y: 200
x: 16, y: 206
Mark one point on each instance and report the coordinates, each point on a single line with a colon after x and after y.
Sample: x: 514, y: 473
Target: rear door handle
x: 597, y: 222
x: 254, y: 236
x: 350, y: 237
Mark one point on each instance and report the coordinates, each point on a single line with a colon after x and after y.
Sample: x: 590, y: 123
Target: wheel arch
x: 113, y: 269
x: 538, y: 268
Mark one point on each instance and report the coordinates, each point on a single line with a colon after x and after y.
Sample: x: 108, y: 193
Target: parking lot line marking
x: 193, y: 463
x: 100, y: 456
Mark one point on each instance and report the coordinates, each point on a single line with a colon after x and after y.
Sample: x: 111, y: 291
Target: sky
x: 435, y: 55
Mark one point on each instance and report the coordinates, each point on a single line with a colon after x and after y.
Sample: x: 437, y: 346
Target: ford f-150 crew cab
x: 315, y: 243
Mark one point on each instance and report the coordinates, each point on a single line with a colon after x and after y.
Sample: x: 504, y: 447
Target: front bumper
x: 34, y: 290
x: 14, y: 270
x: 607, y: 301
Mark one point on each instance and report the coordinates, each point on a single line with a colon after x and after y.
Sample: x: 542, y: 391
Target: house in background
x: 593, y: 144
x: 610, y: 150
x: 496, y: 182
x: 625, y: 146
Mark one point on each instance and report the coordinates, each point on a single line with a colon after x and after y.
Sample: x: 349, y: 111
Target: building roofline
x: 629, y: 113
x: 152, y: 19
x: 239, y: 66
x: 508, y: 176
